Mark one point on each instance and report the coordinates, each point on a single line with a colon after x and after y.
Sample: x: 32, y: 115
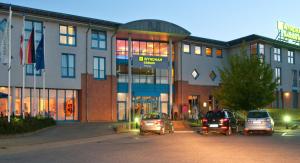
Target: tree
x: 246, y: 83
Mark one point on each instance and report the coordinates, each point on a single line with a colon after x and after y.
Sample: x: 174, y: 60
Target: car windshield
x: 215, y: 115
x: 151, y: 116
x: 258, y: 115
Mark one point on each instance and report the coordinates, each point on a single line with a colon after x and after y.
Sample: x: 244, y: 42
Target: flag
x: 40, y: 62
x: 30, y: 51
x: 21, y: 49
x: 4, y: 30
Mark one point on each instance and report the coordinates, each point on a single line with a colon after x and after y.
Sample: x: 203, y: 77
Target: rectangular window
x: 261, y: 52
x: 67, y: 35
x: 277, y: 54
x: 291, y: 57
x: 197, y: 50
x: 253, y: 48
x: 208, y: 51
x: 38, y: 31
x: 68, y: 65
x: 186, y: 48
x: 219, y: 53
x: 278, y: 74
x: 99, y: 68
x: 99, y: 39
x: 294, y: 75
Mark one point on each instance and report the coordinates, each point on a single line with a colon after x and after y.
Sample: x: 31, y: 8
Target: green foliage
x: 278, y: 114
x: 19, y: 125
x: 246, y: 83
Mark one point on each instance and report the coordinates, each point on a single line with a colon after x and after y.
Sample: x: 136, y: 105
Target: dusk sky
x: 216, y: 19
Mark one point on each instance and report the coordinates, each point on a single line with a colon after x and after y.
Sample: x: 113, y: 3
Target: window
x: 212, y: 75
x: 261, y: 52
x: 278, y: 74
x: 186, y: 48
x: 195, y: 74
x: 253, y: 48
x: 294, y: 75
x: 197, y: 50
x: 291, y: 57
x: 99, y: 39
x: 68, y: 65
x: 99, y: 68
x: 208, y: 51
x: 277, y: 54
x: 67, y: 35
x: 38, y: 31
x: 219, y: 53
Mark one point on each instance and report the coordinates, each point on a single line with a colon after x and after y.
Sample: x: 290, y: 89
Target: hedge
x: 19, y: 125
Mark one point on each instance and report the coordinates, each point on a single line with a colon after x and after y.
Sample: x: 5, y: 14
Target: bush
x: 19, y: 125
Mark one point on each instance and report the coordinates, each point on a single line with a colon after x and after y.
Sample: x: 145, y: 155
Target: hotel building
x: 89, y: 76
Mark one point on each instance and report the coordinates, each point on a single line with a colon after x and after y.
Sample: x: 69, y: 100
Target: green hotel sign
x: 288, y: 32
x: 150, y: 61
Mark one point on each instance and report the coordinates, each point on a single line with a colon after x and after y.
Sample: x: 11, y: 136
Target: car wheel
x: 270, y: 133
x: 162, y: 131
x: 229, y: 131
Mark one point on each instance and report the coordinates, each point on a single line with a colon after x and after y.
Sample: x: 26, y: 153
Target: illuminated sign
x: 150, y: 61
x: 288, y: 32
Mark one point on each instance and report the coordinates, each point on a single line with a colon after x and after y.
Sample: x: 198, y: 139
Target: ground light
x: 136, y: 121
x: 287, y: 120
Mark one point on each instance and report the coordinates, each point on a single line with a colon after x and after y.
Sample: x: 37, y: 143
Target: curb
x: 26, y: 134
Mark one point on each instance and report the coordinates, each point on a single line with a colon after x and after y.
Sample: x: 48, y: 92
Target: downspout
x: 86, y: 72
x: 111, y: 71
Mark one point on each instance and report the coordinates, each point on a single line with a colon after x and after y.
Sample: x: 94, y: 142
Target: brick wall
x: 99, y: 104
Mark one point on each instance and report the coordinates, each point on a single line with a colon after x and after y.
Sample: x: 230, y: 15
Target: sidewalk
x: 61, y: 132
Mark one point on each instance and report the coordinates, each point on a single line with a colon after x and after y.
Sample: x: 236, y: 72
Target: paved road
x: 178, y: 147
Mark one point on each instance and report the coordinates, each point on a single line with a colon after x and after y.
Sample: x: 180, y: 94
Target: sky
x: 215, y: 19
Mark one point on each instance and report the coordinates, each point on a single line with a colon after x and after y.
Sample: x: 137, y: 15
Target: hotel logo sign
x: 150, y: 61
x: 288, y: 32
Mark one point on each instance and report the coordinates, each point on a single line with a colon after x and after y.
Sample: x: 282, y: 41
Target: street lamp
x: 287, y: 120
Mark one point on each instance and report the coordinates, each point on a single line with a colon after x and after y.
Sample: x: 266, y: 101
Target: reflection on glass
x: 27, y: 104
x: 75, y: 106
x: 52, y: 103
x: 69, y: 113
x: 60, y: 104
x: 17, y: 101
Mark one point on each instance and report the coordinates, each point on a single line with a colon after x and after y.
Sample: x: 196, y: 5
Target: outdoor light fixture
x: 287, y: 120
x: 136, y: 120
x: 204, y: 104
x: 287, y: 94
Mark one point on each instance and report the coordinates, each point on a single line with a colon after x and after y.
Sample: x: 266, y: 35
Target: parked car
x: 156, y: 122
x: 222, y: 121
x: 259, y: 121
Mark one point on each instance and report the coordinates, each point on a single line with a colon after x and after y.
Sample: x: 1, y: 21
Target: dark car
x: 222, y: 121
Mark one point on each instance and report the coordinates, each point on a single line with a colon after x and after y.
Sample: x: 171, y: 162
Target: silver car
x: 259, y: 121
x: 156, y: 122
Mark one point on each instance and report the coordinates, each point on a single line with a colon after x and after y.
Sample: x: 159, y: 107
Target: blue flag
x: 40, y: 62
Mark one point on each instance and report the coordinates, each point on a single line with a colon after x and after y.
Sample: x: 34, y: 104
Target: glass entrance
x: 145, y: 104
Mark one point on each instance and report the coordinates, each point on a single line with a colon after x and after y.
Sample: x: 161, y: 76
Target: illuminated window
x: 163, y: 48
x: 208, y: 51
x: 253, y: 48
x: 67, y: 35
x: 277, y: 54
x: 143, y: 48
x: 122, y: 49
x: 291, y: 57
x: 278, y: 74
x: 197, y: 50
x: 150, y: 48
x: 99, y: 39
x: 219, y: 53
x: 135, y: 48
x: 186, y: 48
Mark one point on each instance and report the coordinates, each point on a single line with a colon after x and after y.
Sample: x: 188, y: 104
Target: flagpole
x: 23, y: 66
x: 9, y: 63
x: 44, y: 73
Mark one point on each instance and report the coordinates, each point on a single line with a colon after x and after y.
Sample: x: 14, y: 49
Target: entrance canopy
x: 151, y: 29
